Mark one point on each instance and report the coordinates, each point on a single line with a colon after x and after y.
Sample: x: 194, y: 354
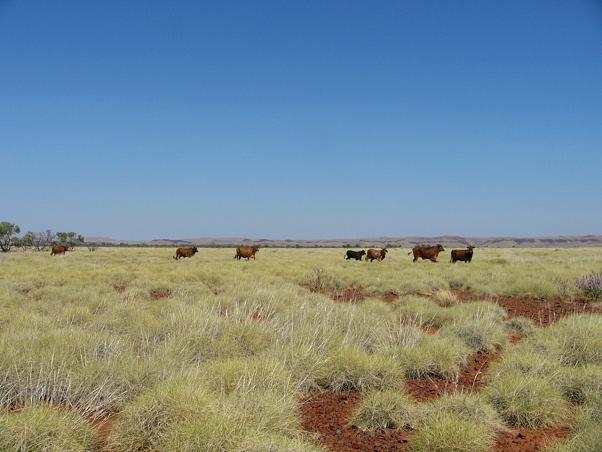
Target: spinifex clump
x: 591, y: 285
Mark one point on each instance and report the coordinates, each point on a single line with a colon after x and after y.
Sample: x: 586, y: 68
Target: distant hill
x: 403, y: 242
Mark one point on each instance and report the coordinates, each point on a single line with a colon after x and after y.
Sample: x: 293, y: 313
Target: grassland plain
x: 210, y: 353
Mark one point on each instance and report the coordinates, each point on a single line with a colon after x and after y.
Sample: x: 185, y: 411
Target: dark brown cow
x: 426, y: 252
x: 58, y: 249
x: 187, y: 251
x: 357, y: 255
x: 246, y: 252
x: 462, y: 255
x: 376, y: 253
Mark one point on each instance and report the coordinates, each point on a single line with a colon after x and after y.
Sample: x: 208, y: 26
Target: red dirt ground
x: 327, y: 413
x: 541, y: 311
x: 157, y: 294
x: 389, y: 297
x: 103, y: 427
x: 119, y: 288
x: 469, y: 380
x: 529, y: 440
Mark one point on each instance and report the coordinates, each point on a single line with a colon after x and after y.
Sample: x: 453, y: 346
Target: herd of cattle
x: 247, y: 252
x: 420, y: 252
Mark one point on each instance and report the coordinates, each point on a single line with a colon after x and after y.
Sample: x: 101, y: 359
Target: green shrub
x: 582, y: 384
x: 526, y: 362
x: 421, y: 311
x: 44, y: 428
x: 384, y: 409
x: 432, y: 355
x: 449, y: 432
x: 573, y: 341
x: 472, y: 407
x: 143, y: 423
x: 246, y: 374
x: 350, y: 369
x: 586, y: 436
x: 519, y: 326
x: 525, y: 400
x: 480, y: 334
x: 477, y: 310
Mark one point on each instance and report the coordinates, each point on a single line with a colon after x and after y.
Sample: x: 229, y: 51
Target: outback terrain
x: 300, y: 350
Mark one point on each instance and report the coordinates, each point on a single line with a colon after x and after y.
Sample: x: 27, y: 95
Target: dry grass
x: 83, y: 331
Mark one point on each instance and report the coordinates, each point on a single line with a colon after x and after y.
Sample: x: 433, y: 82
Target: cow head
x: 195, y: 249
x: 384, y: 251
x: 255, y: 249
x: 440, y: 248
x: 470, y: 248
x: 363, y: 252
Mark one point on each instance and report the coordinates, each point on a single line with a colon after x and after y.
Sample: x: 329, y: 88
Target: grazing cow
x: 357, y: 255
x: 187, y: 251
x: 462, y: 255
x: 58, y: 249
x: 247, y: 252
x: 376, y: 253
x: 426, y: 252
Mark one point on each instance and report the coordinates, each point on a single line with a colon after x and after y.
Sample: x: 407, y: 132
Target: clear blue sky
x: 310, y: 119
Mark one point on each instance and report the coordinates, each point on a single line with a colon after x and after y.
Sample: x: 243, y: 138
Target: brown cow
x: 376, y: 253
x: 187, y: 251
x: 462, y: 255
x: 58, y: 249
x: 426, y: 252
x: 247, y: 252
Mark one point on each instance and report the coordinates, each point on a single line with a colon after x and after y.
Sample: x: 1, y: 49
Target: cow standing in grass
x: 186, y: 252
x: 357, y: 255
x: 246, y: 252
x: 426, y: 252
x: 59, y: 249
x: 376, y: 253
x: 462, y: 255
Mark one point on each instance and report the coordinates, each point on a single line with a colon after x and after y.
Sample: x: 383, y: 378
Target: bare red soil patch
x: 327, y: 414
x: 389, y: 296
x: 346, y: 295
x: 431, y: 329
x: 157, y: 294
x: 529, y: 440
x: 430, y: 387
x: 515, y: 339
x: 119, y: 288
x: 103, y: 427
x: 355, y: 294
x: 543, y: 312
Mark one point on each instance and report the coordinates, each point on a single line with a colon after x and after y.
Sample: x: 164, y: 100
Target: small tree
x: 43, y: 240
x: 27, y: 240
x: 8, y: 232
x: 70, y: 238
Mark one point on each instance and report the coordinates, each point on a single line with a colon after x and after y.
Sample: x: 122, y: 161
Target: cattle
x: 58, y: 249
x: 357, y: 255
x: 462, y: 255
x: 426, y: 252
x: 376, y: 253
x: 188, y: 251
x: 246, y: 252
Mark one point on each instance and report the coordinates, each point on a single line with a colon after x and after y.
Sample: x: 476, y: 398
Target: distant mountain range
x: 403, y: 242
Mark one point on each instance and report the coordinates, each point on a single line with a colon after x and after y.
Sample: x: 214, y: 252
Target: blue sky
x: 313, y: 119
